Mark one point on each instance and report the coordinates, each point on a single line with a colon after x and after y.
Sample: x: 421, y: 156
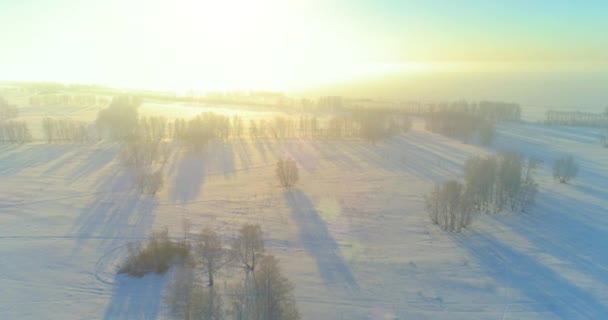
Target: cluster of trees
x: 461, y: 124
x: 264, y: 293
x: 375, y: 125
x: 202, y: 129
x: 119, y: 120
x: 450, y: 206
x: 577, y: 118
x: 492, y: 184
x: 64, y: 130
x: 151, y: 128
x: 565, y: 169
x: 287, y: 172
x: 466, y: 120
x: 7, y: 111
x: 371, y: 125
x: 14, y: 131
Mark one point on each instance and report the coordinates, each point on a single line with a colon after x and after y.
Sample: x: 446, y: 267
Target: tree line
x: 65, y: 130
x: 491, y: 184
x: 12, y: 131
x: 577, y: 118
x: 466, y: 120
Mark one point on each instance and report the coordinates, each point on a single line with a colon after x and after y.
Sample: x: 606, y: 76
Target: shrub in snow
x: 565, y: 169
x: 155, y: 255
x: 287, y: 172
x: 149, y: 182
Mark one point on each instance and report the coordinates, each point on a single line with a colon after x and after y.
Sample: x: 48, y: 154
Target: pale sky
x: 285, y: 45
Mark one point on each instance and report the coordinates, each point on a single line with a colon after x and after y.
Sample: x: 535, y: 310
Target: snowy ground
x: 352, y: 235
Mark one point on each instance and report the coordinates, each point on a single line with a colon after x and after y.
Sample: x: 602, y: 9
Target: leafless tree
x: 247, y: 249
x: 211, y: 256
x: 565, y: 169
x: 287, y: 172
x: 274, y: 299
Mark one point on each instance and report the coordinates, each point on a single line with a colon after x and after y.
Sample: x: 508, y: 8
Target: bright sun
x: 243, y: 44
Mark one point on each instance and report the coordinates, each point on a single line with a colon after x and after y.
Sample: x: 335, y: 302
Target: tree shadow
x: 243, y: 152
x: 189, y: 177
x: 118, y: 213
x: 260, y: 147
x: 193, y: 167
x: 319, y: 243
x: 95, y: 161
x: 31, y: 156
x: 569, y: 230
x: 544, y: 286
x: 136, y: 298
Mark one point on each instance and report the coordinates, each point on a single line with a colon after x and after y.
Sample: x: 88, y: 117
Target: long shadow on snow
x: 568, y: 230
x: 98, y: 158
x: 193, y: 167
x: 318, y: 242
x: 523, y: 273
x: 135, y: 298
x: 31, y: 156
x: 117, y: 213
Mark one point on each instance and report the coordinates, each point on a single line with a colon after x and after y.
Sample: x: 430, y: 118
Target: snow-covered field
x: 352, y: 235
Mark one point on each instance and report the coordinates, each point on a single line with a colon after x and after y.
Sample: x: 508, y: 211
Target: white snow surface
x: 352, y: 235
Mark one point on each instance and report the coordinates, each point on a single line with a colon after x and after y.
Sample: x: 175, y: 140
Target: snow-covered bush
x: 287, y: 172
x: 155, y: 255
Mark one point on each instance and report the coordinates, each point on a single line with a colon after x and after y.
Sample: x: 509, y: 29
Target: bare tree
x: 211, y: 254
x: 186, y: 299
x: 247, y: 249
x: 565, y: 169
x: 287, y: 172
x: 274, y: 299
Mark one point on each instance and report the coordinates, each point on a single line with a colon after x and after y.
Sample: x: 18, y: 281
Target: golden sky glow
x: 286, y: 45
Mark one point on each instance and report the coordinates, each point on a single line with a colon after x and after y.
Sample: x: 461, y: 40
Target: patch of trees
x: 64, y: 130
x: 152, y: 129
x: 7, y: 111
x: 264, y: 294
x: 14, y: 131
x: 577, y: 118
x: 120, y: 119
x: 565, y: 169
x: 200, y: 130
x: 375, y: 125
x: 156, y: 255
x: 287, y: 172
x: 371, y: 125
x: 465, y: 120
x: 461, y: 124
x: 450, y: 206
x: 491, y: 184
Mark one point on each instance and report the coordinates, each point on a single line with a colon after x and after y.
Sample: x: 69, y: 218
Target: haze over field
x: 538, y: 53
x: 303, y: 159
